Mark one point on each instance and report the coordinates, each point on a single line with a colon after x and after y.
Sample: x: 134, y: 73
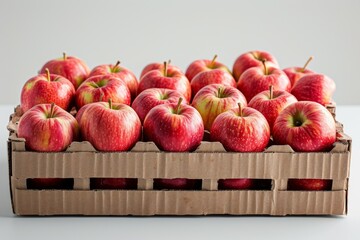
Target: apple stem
x: 265, y: 68
x: 110, y: 103
x: 307, y: 62
x: 213, y: 60
x: 115, y: 66
x: 165, y: 69
x: 47, y: 74
x: 240, y: 109
x: 271, y: 89
x: 64, y: 56
x: 169, y: 62
x: 52, y: 108
x: 178, y: 106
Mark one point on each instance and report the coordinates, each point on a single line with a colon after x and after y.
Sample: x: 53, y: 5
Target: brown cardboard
x: 210, y: 162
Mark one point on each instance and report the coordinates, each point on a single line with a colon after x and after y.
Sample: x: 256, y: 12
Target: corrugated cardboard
x: 210, y: 162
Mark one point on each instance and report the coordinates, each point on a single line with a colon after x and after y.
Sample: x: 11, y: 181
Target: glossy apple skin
x: 101, y: 88
x: 175, y: 183
x: 50, y: 183
x: 246, y: 132
x: 109, y: 129
x: 255, y: 80
x: 171, y: 131
x: 314, y: 87
x: 38, y: 90
x: 120, y: 72
x: 309, y: 184
x: 315, y: 132
x: 114, y: 183
x: 211, y: 77
x: 202, y: 65
x: 47, y: 134
x: 210, y: 104
x: 158, y: 66
x: 174, y: 80
x: 252, y: 59
x: 235, y: 184
x: 271, y: 108
x: 295, y: 73
x: 71, y: 68
x: 152, y: 97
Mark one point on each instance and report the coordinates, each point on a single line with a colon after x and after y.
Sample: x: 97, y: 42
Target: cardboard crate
x: 210, y: 162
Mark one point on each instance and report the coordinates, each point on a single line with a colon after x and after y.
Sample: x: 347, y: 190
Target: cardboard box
x: 81, y: 163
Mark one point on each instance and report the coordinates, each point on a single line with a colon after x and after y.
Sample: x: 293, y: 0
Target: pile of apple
x: 241, y: 109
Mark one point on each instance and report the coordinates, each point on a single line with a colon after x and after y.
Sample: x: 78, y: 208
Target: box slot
x: 309, y: 184
x: 114, y: 183
x: 245, y: 184
x: 177, y: 184
x: 50, y: 183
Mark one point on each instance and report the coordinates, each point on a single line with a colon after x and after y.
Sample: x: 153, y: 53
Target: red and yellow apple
x: 295, y: 73
x: 159, y: 66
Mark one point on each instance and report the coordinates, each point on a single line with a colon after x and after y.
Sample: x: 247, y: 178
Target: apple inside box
x: 81, y: 180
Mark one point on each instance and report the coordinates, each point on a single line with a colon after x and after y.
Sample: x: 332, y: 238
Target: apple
x: 214, y: 99
x: 314, y: 87
x: 167, y: 78
x: 152, y: 97
x: 210, y: 77
x: 109, y: 126
x: 101, y: 88
x: 270, y: 103
x: 47, y: 128
x: 71, y: 68
x: 174, y: 127
x: 113, y: 183
x: 159, y: 66
x: 306, y: 126
x: 49, y: 183
x: 252, y: 59
x: 295, y: 73
x: 47, y: 88
x: 204, y: 65
x: 241, y: 130
x: 258, y: 79
x: 309, y: 184
x: 118, y: 71
x: 235, y: 184
x: 176, y: 183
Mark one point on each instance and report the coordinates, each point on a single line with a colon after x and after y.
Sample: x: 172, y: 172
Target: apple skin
x: 174, y: 80
x: 306, y: 126
x: 101, y: 88
x: 158, y: 66
x: 235, y: 184
x: 295, y: 73
x: 314, y: 87
x: 113, y: 183
x: 45, y: 131
x: 175, y: 183
x: 203, y: 65
x: 152, y: 97
x: 309, y: 184
x: 258, y: 79
x: 271, y: 108
x: 241, y: 131
x: 215, y: 99
x: 120, y: 72
x: 211, y: 77
x: 50, y: 183
x: 71, y: 68
x: 40, y: 89
x: 172, y: 129
x: 109, y: 127
x: 252, y: 59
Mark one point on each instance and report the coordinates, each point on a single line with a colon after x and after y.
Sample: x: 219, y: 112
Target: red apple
x: 314, y: 87
x: 71, y: 68
x: 199, y: 66
x: 120, y: 72
x: 241, y: 130
x: 309, y: 184
x: 101, y: 88
x: 258, y: 79
x: 270, y: 103
x: 295, y: 73
x: 47, y: 128
x: 50, y: 183
x: 47, y: 88
x: 210, y: 77
x: 175, y: 183
x: 152, y: 97
x: 109, y: 126
x: 159, y: 66
x: 168, y: 78
x: 214, y: 99
x: 252, y: 59
x: 235, y: 184
x: 113, y: 183
x: 305, y: 126
x: 174, y: 127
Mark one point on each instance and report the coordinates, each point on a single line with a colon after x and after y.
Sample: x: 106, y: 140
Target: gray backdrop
x: 139, y: 32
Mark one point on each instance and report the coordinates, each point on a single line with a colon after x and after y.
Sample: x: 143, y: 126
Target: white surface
x: 211, y: 227
x: 142, y: 31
